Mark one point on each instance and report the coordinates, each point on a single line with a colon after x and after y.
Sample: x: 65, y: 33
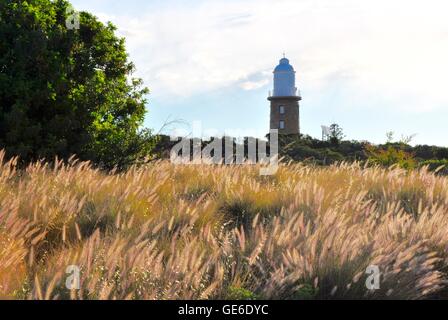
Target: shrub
x: 390, y: 155
x: 439, y: 166
x: 236, y: 293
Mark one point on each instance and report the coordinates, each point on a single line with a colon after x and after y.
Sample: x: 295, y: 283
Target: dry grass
x: 205, y: 232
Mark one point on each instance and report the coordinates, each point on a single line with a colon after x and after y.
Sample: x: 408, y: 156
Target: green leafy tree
x: 66, y: 90
x: 336, y: 134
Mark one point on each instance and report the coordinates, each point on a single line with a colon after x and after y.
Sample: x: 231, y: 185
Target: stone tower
x: 285, y: 100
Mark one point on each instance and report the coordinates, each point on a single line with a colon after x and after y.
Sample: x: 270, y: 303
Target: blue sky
x: 371, y: 66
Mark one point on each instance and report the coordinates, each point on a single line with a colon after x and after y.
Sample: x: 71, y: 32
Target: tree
x: 66, y: 91
x: 390, y: 137
x: 336, y: 134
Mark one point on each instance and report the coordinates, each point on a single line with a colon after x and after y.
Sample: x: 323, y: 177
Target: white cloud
x: 256, y: 81
x: 252, y: 85
x: 396, y: 49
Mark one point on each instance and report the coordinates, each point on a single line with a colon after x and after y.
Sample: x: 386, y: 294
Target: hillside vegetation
x: 307, y: 149
x: 222, y: 232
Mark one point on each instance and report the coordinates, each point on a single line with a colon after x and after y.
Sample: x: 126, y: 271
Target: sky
x: 370, y: 66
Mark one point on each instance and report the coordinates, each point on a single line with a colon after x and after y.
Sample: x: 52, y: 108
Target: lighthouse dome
x: 284, y: 80
x: 284, y: 66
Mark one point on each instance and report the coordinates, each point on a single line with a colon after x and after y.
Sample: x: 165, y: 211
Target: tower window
x: 282, y: 124
x: 282, y: 109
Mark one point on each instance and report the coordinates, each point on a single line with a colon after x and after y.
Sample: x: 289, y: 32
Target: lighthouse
x: 285, y: 100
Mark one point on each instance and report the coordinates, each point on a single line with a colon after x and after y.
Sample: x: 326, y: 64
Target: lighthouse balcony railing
x: 295, y: 93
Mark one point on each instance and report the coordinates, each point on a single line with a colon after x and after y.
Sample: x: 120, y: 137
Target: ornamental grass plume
x: 164, y: 231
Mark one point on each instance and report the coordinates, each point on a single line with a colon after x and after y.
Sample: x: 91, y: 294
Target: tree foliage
x: 65, y: 92
x: 336, y: 134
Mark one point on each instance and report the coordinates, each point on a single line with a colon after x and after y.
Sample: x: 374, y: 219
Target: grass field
x: 222, y: 232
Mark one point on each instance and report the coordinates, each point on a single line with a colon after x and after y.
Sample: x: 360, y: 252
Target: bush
x: 440, y: 166
x: 306, y: 292
x: 391, y: 155
x: 236, y: 293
